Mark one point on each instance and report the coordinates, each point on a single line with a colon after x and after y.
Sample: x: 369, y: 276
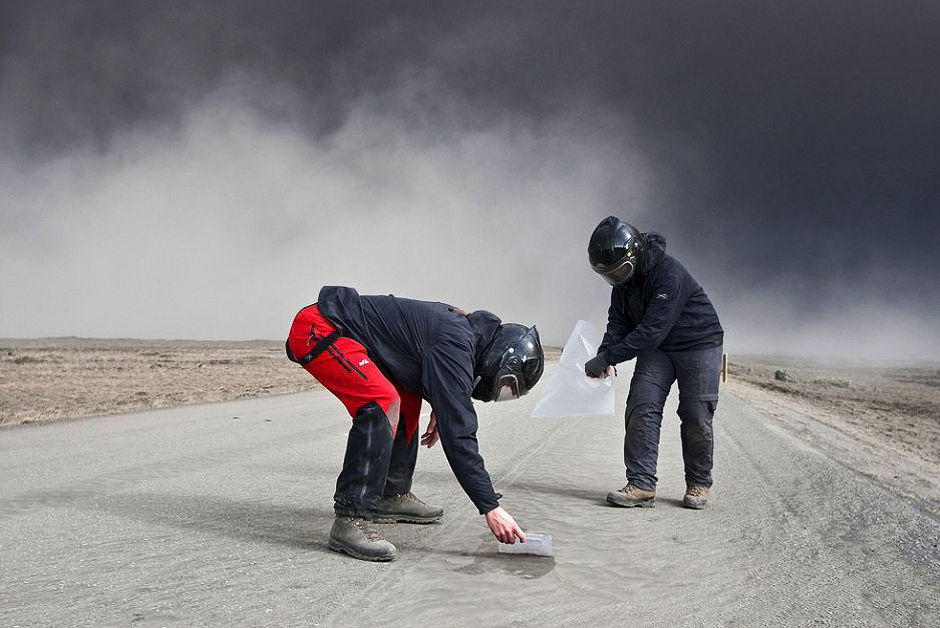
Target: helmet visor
x: 619, y: 274
x: 507, y: 388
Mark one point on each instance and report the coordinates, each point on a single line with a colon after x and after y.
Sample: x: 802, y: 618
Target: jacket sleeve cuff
x: 613, y: 357
x: 486, y: 506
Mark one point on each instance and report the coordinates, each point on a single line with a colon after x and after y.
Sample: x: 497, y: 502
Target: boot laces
x: 368, y: 531
x: 408, y: 497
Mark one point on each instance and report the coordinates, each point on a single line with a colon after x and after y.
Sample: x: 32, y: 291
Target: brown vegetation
x: 56, y: 378
x: 895, y: 404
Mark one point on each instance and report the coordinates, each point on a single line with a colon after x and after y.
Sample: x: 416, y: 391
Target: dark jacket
x: 429, y: 349
x: 661, y: 306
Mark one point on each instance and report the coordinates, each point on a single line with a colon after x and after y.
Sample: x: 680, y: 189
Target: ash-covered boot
x: 354, y: 536
x: 631, y: 496
x: 406, y: 508
x: 696, y: 496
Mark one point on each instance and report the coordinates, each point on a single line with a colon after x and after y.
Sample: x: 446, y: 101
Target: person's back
x: 400, y: 332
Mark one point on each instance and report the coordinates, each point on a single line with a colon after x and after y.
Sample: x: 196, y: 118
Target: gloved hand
x: 596, y: 366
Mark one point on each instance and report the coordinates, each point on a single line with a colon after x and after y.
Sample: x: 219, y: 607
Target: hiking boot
x: 354, y: 536
x: 406, y: 508
x: 631, y: 496
x: 695, y: 497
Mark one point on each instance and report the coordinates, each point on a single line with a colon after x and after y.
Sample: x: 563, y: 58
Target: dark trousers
x: 376, y: 463
x: 697, y: 373
x: 401, y: 465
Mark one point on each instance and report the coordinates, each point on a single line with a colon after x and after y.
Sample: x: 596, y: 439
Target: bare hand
x: 430, y: 435
x: 503, y: 526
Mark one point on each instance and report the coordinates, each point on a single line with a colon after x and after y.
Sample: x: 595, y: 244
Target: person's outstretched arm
x: 448, y: 378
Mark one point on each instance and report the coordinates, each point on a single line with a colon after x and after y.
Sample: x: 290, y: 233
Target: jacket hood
x: 484, y: 326
x: 655, y: 249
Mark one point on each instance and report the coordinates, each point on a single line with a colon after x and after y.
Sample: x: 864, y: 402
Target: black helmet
x: 510, y: 365
x: 615, y: 250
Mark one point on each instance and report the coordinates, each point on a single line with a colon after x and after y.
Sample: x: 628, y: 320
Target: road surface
x: 218, y: 514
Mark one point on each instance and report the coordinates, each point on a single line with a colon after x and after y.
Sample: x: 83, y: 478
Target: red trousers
x: 346, y: 370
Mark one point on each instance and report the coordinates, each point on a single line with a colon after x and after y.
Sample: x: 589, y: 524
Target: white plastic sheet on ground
x: 570, y: 392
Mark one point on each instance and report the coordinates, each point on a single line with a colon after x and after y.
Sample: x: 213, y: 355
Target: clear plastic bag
x: 535, y: 543
x: 569, y: 392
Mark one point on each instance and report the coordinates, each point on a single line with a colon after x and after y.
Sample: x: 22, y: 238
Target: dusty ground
x: 218, y: 515
x: 56, y: 378
x: 882, y: 420
x: 825, y: 509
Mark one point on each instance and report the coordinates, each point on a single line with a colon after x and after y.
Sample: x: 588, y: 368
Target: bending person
x: 380, y: 356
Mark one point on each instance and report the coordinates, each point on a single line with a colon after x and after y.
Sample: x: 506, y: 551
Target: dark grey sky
x: 790, y: 151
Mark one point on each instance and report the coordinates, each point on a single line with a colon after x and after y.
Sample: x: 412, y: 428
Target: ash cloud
x: 200, y: 170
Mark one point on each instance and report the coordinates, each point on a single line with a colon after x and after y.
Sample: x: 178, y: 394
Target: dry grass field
x: 50, y: 379
x: 897, y: 404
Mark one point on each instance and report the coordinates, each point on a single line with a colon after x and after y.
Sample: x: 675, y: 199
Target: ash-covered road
x: 219, y: 514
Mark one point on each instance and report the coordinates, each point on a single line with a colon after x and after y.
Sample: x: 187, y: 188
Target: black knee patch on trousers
x: 365, y: 467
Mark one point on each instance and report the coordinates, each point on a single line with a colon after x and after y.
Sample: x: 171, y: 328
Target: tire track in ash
x: 821, y: 530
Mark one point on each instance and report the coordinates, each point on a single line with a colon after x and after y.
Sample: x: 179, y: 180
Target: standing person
x: 381, y: 355
x: 660, y: 316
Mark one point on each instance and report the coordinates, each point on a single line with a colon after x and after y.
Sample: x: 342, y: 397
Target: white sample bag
x: 570, y: 392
